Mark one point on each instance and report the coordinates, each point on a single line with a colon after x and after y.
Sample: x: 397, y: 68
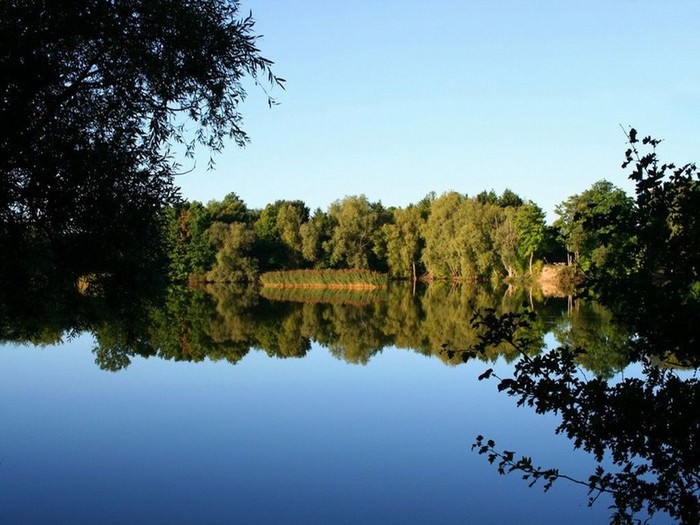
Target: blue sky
x: 397, y: 99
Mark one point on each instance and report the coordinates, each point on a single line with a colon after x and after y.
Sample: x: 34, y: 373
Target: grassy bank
x: 346, y: 279
x: 354, y: 296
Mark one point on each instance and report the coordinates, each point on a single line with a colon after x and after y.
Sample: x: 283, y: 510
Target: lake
x: 232, y: 407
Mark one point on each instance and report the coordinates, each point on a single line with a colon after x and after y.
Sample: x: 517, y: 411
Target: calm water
x: 269, y: 440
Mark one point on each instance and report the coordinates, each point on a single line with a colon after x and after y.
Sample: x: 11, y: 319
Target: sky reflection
x: 310, y: 440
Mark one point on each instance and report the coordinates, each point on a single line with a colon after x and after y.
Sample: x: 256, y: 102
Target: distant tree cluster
x: 447, y: 237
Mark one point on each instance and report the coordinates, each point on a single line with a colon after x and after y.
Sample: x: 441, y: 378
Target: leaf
x: 486, y: 374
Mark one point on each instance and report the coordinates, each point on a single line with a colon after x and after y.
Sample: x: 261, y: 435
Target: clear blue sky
x: 394, y: 99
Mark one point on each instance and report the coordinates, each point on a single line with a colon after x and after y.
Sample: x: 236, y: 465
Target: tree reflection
x: 591, y: 326
x: 226, y: 322
x: 657, y: 461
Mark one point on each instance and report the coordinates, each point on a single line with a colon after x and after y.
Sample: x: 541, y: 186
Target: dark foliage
x: 647, y: 428
x: 93, y: 95
x: 661, y: 285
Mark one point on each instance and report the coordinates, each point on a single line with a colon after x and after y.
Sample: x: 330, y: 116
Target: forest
x: 452, y: 236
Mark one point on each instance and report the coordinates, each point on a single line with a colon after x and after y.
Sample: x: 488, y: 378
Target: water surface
x: 312, y: 440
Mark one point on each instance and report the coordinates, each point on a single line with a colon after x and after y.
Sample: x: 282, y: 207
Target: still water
x: 266, y: 439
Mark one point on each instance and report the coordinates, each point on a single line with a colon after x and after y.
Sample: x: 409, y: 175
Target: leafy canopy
x: 94, y: 95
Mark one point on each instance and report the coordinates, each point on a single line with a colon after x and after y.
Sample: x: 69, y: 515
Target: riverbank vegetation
x: 323, y: 279
x: 91, y: 224
x: 450, y: 237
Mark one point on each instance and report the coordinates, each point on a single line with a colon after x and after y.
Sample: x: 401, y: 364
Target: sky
x: 396, y: 99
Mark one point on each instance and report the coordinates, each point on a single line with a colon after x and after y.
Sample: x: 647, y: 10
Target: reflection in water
x: 647, y: 428
x: 226, y: 322
x: 223, y: 322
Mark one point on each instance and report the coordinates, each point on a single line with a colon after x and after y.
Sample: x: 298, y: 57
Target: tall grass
x: 325, y: 295
x: 323, y: 279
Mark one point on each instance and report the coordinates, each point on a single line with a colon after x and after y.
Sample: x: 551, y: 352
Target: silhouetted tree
x: 93, y: 96
x: 643, y: 431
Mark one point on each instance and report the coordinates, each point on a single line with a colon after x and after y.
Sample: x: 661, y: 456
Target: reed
x: 325, y: 295
x: 323, y: 279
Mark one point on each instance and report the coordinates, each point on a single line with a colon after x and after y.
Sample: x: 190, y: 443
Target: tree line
x: 452, y: 236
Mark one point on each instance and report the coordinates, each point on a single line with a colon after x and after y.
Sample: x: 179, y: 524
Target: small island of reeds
x: 347, y: 279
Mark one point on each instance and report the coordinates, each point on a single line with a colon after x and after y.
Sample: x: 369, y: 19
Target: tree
x: 476, y: 239
x: 442, y: 250
x: 506, y: 240
x: 531, y: 228
x: 597, y: 225
x: 509, y: 199
x: 234, y: 261
x: 355, y: 234
x: 662, y: 281
x: 642, y: 430
x: 231, y: 209
x: 466, y: 237
x: 189, y: 250
x: 315, y: 235
x: 278, y: 230
x: 404, y: 241
x: 94, y: 96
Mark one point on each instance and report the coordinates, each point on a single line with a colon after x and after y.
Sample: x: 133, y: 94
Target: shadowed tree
x: 278, y: 231
x: 189, y: 249
x: 234, y: 260
x: 315, y: 235
x: 596, y: 224
x: 93, y: 97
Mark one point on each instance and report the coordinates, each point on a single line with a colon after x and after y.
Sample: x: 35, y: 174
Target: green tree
x: 230, y: 209
x: 355, y: 236
x: 234, y: 260
x: 470, y: 238
x: 404, y: 241
x: 487, y: 197
x: 315, y: 235
x: 507, y: 241
x: 189, y: 249
x: 278, y: 230
x: 476, y: 239
x: 596, y: 225
x: 442, y: 250
x: 531, y: 230
x: 509, y: 199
